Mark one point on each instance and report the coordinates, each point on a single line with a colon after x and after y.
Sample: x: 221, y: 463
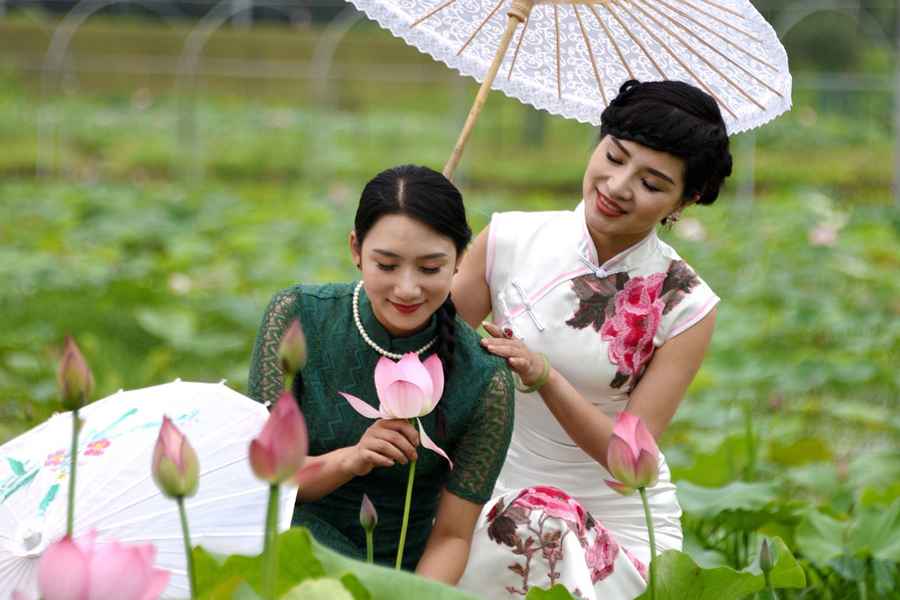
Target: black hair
x: 678, y: 118
x: 426, y: 196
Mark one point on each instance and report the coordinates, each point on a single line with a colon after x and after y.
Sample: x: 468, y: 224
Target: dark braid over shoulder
x: 445, y: 330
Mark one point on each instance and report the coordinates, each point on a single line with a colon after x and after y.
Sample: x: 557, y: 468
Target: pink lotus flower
x: 633, y: 456
x: 292, y: 352
x: 77, y: 570
x: 278, y: 454
x: 823, y: 234
x: 74, y: 379
x: 407, y: 389
x: 174, y: 466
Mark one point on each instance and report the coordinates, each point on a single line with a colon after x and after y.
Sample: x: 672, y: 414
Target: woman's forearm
x: 588, y: 427
x: 444, y: 559
x: 447, y: 551
x: 335, y: 473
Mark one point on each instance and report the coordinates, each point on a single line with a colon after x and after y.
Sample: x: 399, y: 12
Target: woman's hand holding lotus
x: 387, y: 441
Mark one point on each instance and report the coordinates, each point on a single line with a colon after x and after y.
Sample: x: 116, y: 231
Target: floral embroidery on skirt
x: 540, y: 537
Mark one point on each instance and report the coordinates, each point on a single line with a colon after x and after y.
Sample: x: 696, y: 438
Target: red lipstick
x: 604, y: 204
x: 406, y: 308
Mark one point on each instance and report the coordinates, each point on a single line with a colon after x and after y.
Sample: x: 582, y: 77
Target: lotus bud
x: 175, y: 467
x: 633, y: 456
x: 74, y: 379
x: 280, y: 450
x: 368, y: 518
x: 292, y: 352
x: 766, y: 558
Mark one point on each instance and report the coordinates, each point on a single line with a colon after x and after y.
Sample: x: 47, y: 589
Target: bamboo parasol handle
x: 518, y: 13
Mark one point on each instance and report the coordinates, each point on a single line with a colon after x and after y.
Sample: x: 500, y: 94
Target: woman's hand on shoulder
x: 385, y: 442
x: 518, y: 355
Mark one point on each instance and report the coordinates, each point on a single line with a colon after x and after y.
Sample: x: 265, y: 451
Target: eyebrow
x: 395, y: 255
x: 651, y: 170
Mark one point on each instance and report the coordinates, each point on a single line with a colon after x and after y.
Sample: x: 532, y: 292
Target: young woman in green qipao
x: 596, y: 315
x: 409, y: 237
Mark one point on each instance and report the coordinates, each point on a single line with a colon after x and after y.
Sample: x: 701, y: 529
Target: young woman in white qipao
x: 595, y: 315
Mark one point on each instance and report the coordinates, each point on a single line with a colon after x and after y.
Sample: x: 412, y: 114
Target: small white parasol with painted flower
x: 115, y: 493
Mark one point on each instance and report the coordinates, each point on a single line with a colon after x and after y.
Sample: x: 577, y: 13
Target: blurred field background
x: 160, y: 180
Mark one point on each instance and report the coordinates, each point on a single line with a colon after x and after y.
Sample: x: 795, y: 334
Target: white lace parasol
x: 570, y: 58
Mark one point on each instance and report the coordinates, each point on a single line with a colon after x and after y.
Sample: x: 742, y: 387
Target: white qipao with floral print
x: 599, y: 324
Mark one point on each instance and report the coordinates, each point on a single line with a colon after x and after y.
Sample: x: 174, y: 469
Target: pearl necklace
x: 370, y: 341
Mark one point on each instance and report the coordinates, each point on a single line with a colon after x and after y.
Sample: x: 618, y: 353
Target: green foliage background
x: 165, y: 221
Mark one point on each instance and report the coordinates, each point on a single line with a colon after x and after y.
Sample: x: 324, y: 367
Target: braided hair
x: 678, y: 118
x: 429, y: 197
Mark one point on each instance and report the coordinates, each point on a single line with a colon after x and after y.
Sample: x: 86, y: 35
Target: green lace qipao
x: 477, y: 403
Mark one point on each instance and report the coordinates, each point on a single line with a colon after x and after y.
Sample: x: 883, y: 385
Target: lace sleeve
x: 266, y: 381
x: 481, y: 449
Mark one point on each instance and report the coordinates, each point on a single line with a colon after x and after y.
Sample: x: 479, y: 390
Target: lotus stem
x: 652, y: 537
x: 188, y: 554
x: 370, y: 550
x: 409, y: 487
x: 270, y: 550
x: 73, y: 463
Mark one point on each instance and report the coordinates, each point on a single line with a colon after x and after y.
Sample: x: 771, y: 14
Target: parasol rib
x: 733, y: 62
x: 715, y: 18
x: 647, y: 54
x: 515, y: 56
x: 613, y: 42
x: 587, y: 43
x: 432, y: 13
x: 690, y: 49
x: 483, y: 23
x: 725, y: 9
x: 518, y: 13
x: 699, y: 81
x: 715, y: 33
x: 634, y: 39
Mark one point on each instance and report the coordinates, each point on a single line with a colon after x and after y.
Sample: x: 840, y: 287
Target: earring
x: 359, y: 266
x: 673, y: 218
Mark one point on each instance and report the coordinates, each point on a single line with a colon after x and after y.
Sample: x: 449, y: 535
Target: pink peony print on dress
x: 601, y: 555
x: 638, y: 311
x: 555, y: 503
x: 534, y: 526
x: 626, y: 312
